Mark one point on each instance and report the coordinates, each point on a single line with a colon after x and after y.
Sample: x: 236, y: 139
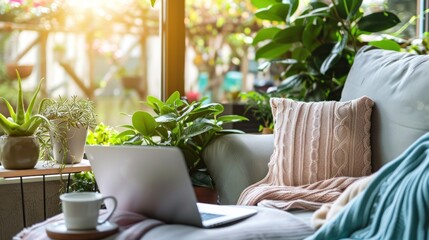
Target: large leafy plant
x: 316, y: 47
x: 188, y: 126
x: 21, y: 122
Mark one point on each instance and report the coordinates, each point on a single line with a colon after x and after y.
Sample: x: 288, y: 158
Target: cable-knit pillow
x: 320, y: 140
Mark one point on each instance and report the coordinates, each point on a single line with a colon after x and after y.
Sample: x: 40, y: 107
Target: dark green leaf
x: 272, y: 50
x: 275, y: 12
x: 335, y: 55
x: 144, y: 123
x: 378, y: 21
x: 292, y: 82
x: 264, y: 3
x: 264, y: 34
x: 347, y: 8
x: 386, y: 44
x: 289, y: 35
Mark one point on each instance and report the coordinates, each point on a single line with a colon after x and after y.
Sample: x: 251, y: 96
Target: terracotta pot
x: 131, y: 82
x: 24, y: 70
x: 267, y: 131
x: 69, y: 144
x: 206, y: 195
x: 19, y: 152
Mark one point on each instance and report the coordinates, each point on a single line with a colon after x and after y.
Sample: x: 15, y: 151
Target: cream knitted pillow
x: 320, y: 140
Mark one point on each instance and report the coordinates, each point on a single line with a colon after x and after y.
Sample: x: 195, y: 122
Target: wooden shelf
x: 43, y: 169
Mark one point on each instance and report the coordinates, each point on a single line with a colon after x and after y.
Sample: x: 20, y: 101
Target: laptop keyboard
x: 208, y: 216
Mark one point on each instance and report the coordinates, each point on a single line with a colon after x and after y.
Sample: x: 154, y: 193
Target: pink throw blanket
x: 308, y: 197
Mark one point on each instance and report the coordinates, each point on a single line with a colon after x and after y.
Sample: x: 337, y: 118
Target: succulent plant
x: 21, y: 122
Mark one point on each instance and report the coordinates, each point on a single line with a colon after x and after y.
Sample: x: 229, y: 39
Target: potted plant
x: 258, y: 103
x: 315, y: 48
x: 19, y: 147
x: 70, y: 119
x: 188, y: 126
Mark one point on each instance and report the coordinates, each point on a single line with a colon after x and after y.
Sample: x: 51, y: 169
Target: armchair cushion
x: 315, y: 141
x: 318, y: 148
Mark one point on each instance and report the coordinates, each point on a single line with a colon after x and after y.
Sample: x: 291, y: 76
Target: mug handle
x: 115, y: 203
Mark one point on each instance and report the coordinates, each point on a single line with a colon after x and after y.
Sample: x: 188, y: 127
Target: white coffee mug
x: 81, y: 209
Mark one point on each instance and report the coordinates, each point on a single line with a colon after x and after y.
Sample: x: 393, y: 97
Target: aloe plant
x: 21, y: 122
x: 188, y: 126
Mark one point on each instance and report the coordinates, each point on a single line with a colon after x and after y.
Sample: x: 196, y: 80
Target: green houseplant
x: 19, y: 147
x: 188, y: 126
x: 70, y: 119
x: 316, y: 47
x: 258, y: 103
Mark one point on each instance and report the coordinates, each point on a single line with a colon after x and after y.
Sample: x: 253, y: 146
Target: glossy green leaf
x: 264, y: 34
x: 169, y: 117
x: 152, y: 2
x: 289, y: 35
x: 379, y: 21
x: 334, y: 56
x: 232, y: 118
x: 272, y: 50
x: 386, y: 44
x: 291, y: 82
x: 276, y: 12
x: 231, y: 131
x: 200, y: 126
x: 264, y: 3
x: 172, y: 99
x: 144, y: 123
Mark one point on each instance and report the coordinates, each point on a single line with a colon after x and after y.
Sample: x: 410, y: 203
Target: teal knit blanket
x: 395, y: 204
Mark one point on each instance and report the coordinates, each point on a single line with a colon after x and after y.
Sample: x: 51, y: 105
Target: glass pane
x: 219, y: 51
x: 108, y: 51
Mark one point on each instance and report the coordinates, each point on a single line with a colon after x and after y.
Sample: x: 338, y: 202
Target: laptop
x: 154, y: 182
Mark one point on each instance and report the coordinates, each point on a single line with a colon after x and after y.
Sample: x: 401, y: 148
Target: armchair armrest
x: 236, y: 161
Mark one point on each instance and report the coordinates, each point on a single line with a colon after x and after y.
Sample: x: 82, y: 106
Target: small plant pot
x: 23, y: 70
x: 206, y: 195
x: 68, y: 143
x: 131, y: 82
x: 19, y: 152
